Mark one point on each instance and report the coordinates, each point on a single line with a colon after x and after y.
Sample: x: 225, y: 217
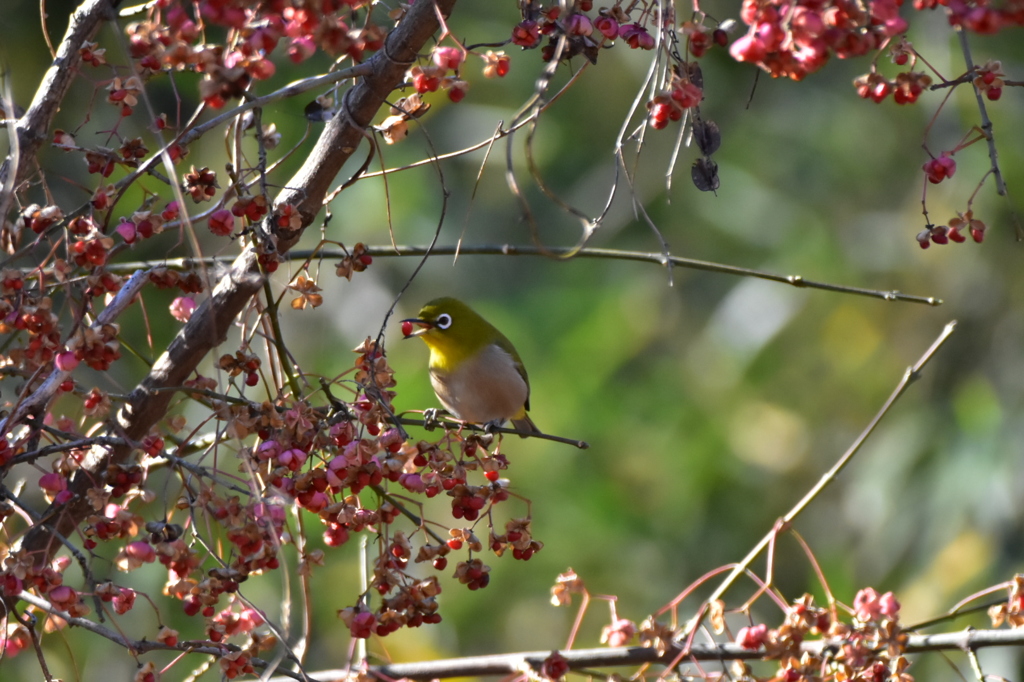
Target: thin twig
x: 954, y: 613
x: 909, y: 377
x: 77, y: 444
x: 972, y: 656
x: 986, y: 123
x: 614, y: 254
x: 278, y: 340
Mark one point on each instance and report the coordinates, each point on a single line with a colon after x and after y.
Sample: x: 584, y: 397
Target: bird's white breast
x: 486, y: 387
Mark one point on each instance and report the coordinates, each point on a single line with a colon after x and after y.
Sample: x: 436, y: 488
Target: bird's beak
x: 407, y: 325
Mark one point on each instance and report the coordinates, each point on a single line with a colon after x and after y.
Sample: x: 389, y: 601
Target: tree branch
x: 504, y: 664
x: 549, y: 251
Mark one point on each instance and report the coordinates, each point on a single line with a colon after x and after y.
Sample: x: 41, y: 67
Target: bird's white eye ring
x: 444, y: 320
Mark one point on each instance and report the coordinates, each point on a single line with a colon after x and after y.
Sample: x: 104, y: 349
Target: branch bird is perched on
x: 475, y: 371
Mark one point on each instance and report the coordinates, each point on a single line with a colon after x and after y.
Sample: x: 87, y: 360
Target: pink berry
x: 221, y: 222
x: 608, y: 27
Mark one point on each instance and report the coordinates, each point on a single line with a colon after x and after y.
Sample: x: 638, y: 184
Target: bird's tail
x: 525, y: 425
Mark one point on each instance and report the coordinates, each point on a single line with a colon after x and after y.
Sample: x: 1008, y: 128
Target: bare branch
x: 34, y: 126
x: 986, y: 123
x: 504, y: 664
x: 614, y: 254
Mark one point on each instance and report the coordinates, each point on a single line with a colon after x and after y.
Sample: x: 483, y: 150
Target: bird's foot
x: 492, y: 426
x: 430, y: 420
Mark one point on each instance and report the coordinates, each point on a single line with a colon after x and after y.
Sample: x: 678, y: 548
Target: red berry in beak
x: 406, y: 328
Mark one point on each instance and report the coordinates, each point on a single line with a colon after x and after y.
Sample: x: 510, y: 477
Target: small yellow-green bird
x: 475, y: 371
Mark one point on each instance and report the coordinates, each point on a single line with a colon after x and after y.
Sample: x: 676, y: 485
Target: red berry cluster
x: 241, y: 363
x: 97, y: 347
x: 125, y: 95
x: 7, y: 453
x: 101, y: 283
x: 937, y: 170
x: 141, y: 225
x: 584, y: 34
x: 905, y: 89
x: 21, y: 573
x: 870, y: 648
x: 907, y: 86
x: 356, y: 261
x: 39, y: 218
x: 131, y: 151
x: 322, y: 469
x: 164, y: 278
x: 221, y: 222
x: 301, y: 458
x: 55, y: 487
x: 170, y: 38
x: 22, y: 310
x: 124, y: 477
x: 1010, y: 611
x: 251, y: 208
x: 671, y: 104
x: 554, y: 667
x: 231, y: 623
x: 235, y: 663
x: 435, y: 76
x: 121, y: 598
x: 92, y: 54
x: 100, y: 161
x: 699, y: 38
x: 518, y: 538
x: 473, y: 573
x: 978, y: 16
x: 943, y: 234
x: 288, y: 217
x: 116, y: 522
x: 91, y: 251
x: 96, y: 403
x: 794, y: 41
x: 989, y: 79
x: 201, y: 184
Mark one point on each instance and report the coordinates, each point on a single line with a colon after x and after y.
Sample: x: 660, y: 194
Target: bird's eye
x: 444, y: 320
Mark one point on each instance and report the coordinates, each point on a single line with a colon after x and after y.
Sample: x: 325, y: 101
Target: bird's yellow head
x: 452, y: 331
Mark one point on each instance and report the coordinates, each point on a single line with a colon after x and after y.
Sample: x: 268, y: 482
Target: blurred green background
x: 711, y: 403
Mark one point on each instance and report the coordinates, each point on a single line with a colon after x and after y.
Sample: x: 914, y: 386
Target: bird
x: 475, y: 370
